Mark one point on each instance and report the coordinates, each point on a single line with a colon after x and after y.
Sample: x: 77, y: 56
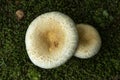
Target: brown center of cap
x: 52, y: 40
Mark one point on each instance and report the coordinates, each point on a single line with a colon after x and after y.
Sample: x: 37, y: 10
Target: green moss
x: 104, y: 15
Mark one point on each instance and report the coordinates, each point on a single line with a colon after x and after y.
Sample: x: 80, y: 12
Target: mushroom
x: 51, y: 39
x: 89, y: 41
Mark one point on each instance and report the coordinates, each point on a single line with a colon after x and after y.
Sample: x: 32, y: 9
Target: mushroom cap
x: 89, y: 41
x: 51, y: 39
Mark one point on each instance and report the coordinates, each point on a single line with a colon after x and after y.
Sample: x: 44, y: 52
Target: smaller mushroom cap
x: 89, y: 41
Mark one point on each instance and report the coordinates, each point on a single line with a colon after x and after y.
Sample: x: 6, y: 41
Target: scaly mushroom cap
x: 89, y: 41
x: 51, y: 39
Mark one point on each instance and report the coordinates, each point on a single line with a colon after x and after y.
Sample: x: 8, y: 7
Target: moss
x: 104, y: 15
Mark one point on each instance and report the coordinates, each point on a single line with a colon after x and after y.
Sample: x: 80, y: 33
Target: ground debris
x: 20, y: 14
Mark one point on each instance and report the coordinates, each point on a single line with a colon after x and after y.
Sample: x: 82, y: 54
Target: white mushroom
x: 51, y: 39
x: 89, y: 41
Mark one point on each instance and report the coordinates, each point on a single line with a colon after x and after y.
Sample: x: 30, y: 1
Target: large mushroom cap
x: 51, y: 39
x: 89, y: 42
